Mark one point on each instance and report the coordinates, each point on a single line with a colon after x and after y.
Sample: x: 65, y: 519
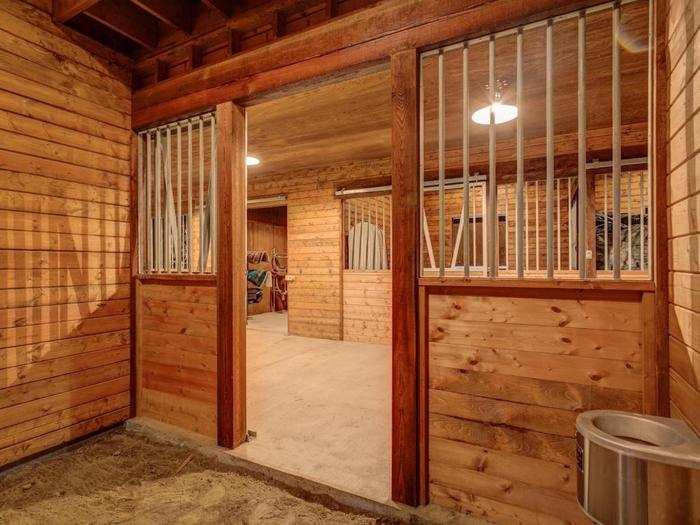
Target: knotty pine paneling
x: 507, y: 378
x: 683, y: 183
x: 367, y: 306
x: 64, y: 235
x: 176, y: 370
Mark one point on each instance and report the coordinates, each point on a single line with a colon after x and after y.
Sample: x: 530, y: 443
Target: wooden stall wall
x: 367, y: 306
x: 508, y: 373
x: 683, y: 183
x: 64, y: 234
x: 314, y: 236
x: 176, y: 359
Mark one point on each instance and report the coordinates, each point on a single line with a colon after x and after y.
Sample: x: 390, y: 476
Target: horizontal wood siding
x: 683, y: 203
x: 64, y: 235
x: 507, y: 377
x: 176, y: 372
x: 367, y: 306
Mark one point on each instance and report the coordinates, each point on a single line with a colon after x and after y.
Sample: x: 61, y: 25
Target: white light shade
x: 252, y: 161
x: 501, y: 113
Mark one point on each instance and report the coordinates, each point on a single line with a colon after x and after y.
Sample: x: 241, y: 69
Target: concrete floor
x: 321, y: 409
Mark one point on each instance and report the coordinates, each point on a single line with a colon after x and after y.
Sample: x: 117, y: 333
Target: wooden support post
x: 405, y: 215
x: 231, y: 285
x: 133, y: 252
x: 277, y: 24
x: 331, y: 9
x: 194, y: 59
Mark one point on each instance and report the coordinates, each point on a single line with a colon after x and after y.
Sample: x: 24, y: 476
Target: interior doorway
x: 319, y: 323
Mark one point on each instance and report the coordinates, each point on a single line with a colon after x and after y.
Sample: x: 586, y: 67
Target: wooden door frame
x: 231, y: 312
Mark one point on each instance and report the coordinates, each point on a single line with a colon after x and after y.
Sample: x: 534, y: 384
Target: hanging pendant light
x: 501, y: 112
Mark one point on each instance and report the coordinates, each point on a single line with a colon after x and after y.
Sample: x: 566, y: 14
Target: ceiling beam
x: 64, y: 10
x: 225, y: 7
x: 127, y: 20
x: 175, y: 14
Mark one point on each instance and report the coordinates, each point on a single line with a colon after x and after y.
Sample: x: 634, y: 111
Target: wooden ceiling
x: 351, y: 120
x: 168, y: 38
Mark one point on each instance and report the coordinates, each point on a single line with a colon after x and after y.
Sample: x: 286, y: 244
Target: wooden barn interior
x: 381, y: 253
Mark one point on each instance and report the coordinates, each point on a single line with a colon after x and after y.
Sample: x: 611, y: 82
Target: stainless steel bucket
x: 637, y: 469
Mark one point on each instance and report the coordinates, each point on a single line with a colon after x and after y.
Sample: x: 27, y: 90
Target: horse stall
x: 348, y: 261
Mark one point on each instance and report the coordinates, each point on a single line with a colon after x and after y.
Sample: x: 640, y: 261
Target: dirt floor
x: 122, y: 477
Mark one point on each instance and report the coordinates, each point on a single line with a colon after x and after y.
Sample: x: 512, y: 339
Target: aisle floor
x: 320, y: 409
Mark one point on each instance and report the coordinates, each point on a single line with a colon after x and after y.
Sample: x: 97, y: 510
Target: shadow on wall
x: 64, y: 323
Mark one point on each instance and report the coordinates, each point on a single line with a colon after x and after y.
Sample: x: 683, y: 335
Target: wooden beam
x: 404, y: 273
x: 277, y: 24
x: 161, y: 70
x: 234, y: 42
x: 224, y: 7
x: 231, y: 281
x: 175, y: 14
x: 133, y: 253
x: 331, y: 8
x: 661, y: 398
x: 354, y: 41
x: 127, y: 20
x: 64, y: 10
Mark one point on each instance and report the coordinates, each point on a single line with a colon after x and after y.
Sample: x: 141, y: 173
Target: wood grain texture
x: 176, y: 376
x: 508, y: 374
x: 405, y: 471
x: 65, y: 256
x: 231, y: 281
x: 678, y: 148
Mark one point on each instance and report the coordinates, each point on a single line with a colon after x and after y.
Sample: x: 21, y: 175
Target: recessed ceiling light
x: 252, y: 161
x: 501, y: 113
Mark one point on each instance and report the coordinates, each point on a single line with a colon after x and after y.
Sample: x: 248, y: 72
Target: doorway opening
x: 319, y: 285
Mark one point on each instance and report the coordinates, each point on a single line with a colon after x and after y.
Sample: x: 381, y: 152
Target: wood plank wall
x: 683, y: 204
x: 314, y: 234
x: 508, y: 373
x: 176, y: 381
x: 367, y: 306
x: 64, y: 235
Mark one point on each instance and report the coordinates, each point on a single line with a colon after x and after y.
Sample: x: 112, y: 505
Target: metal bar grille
x: 590, y: 217
x: 167, y: 177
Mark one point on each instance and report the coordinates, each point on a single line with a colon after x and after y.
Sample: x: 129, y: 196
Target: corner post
x: 231, y: 264
x: 405, y: 245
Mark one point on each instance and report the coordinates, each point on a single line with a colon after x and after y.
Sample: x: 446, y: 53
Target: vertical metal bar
x: 617, y: 161
x: 139, y: 143
x: 527, y: 226
x: 559, y: 226
x: 629, y: 220
x: 642, y: 197
x: 168, y: 175
x: 650, y: 137
x: 421, y: 163
x: 473, y: 259
x: 158, y: 196
x: 582, y: 148
x: 568, y: 206
x: 605, y: 220
x: 149, y: 200
x: 213, y: 192
x: 492, y: 216
x: 537, y: 225
x: 441, y: 161
x: 190, y: 263
x: 201, y: 196
x: 179, y: 198
x: 550, y: 150
x: 519, y: 222
x: 465, y: 158
x: 484, y: 234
